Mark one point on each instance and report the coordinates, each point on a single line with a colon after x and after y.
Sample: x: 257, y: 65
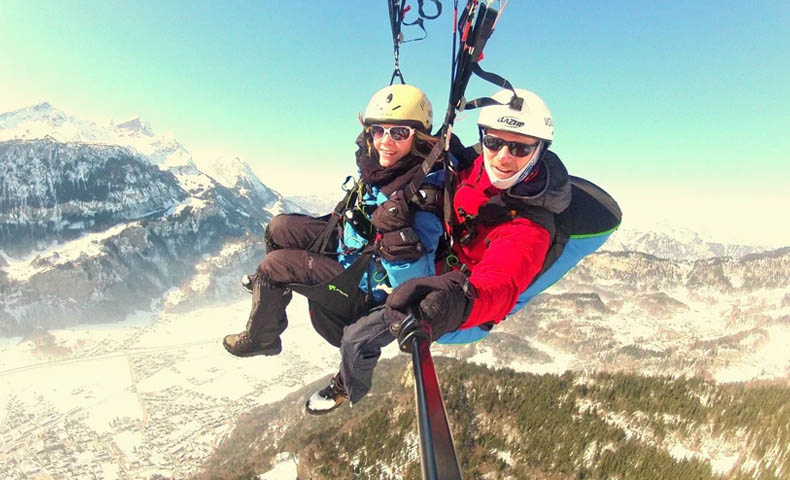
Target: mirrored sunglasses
x: 398, y: 133
x: 517, y: 149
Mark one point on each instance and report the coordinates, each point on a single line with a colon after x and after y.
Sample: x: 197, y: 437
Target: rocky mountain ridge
x: 44, y: 120
x: 676, y: 243
x: 93, y: 231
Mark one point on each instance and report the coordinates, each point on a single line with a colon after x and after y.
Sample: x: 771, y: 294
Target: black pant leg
x: 329, y: 324
x: 270, y: 296
x: 295, y: 231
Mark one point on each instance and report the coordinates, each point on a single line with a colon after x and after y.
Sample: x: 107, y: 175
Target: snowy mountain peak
x: 42, y: 113
x: 45, y: 121
x: 228, y: 170
x: 42, y: 107
x: 136, y: 125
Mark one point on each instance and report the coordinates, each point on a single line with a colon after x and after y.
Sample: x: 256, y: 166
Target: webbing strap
x: 427, y: 165
x: 320, y: 243
x: 396, y: 10
x: 516, y: 102
x: 472, y: 42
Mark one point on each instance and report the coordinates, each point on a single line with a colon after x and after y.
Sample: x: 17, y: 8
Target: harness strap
x: 396, y: 11
x: 516, y: 102
x: 427, y: 165
x: 320, y: 243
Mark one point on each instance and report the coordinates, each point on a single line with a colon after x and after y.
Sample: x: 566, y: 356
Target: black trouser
x: 360, y: 351
x: 288, y: 262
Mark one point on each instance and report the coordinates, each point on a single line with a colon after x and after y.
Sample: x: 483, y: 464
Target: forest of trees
x: 524, y: 426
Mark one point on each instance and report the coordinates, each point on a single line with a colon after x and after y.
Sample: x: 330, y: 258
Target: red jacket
x: 503, y: 258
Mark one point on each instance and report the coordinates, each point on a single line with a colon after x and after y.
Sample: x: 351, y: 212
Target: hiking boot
x: 246, y: 282
x: 328, y: 398
x: 243, y: 345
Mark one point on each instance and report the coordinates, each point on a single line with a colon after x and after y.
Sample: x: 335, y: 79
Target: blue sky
x: 681, y: 110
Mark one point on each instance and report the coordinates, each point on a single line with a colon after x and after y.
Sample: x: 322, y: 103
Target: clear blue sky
x: 680, y: 109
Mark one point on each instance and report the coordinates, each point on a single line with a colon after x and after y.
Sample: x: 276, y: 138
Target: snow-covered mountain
x: 317, y: 204
x: 43, y: 120
x: 99, y: 220
x: 676, y: 243
x: 722, y: 319
x: 236, y: 175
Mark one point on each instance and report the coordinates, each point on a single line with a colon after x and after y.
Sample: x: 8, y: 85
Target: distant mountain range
x: 675, y: 243
x: 97, y: 221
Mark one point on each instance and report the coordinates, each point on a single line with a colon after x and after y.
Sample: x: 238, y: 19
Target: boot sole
x: 254, y: 353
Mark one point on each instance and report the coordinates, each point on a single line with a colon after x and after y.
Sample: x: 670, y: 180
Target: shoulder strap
x: 499, y: 210
x: 320, y: 243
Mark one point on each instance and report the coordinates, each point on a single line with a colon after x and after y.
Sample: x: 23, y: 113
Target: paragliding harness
x: 577, y: 231
x: 476, y: 24
x: 341, y: 295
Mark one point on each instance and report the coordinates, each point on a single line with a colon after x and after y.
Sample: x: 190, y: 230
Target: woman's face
x: 502, y: 161
x: 393, y: 142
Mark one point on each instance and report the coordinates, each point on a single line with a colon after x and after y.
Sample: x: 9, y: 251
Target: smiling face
x: 391, y: 151
x: 503, y: 163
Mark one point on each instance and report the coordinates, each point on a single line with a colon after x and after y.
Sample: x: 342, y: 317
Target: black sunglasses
x: 517, y: 149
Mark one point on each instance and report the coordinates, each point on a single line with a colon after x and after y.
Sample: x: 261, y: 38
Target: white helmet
x: 400, y: 104
x: 533, y: 119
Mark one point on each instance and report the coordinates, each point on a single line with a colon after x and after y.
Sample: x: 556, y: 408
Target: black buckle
x: 359, y: 222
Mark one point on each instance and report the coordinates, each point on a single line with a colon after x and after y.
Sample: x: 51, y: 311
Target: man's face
x: 503, y: 162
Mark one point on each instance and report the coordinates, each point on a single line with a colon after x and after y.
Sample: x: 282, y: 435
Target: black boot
x: 266, y: 323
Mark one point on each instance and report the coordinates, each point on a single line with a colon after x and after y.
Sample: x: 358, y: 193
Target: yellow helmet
x: 403, y: 104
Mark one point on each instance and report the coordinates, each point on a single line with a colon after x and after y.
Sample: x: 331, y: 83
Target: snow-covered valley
x: 152, y: 395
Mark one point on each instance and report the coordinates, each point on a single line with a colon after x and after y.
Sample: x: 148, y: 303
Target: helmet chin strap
x: 505, y: 183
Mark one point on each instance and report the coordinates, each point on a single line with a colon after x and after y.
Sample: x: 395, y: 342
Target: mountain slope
x: 122, y: 232
x: 722, y: 319
x: 99, y: 220
x: 52, y: 192
x: 514, y: 425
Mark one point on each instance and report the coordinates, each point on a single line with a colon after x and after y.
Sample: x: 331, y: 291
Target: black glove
x: 444, y: 302
x: 408, y: 330
x: 392, y: 219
